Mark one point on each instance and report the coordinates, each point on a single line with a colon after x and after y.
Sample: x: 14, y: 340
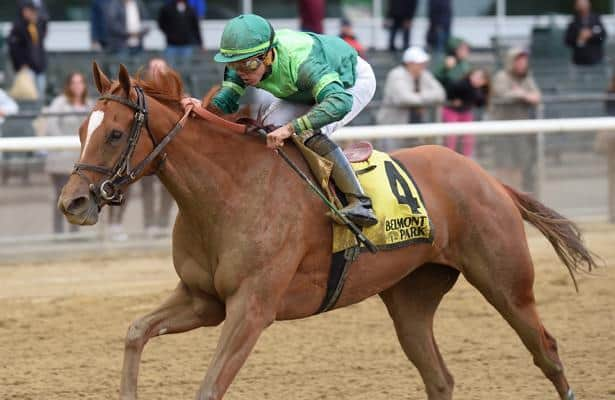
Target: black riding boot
x: 359, y: 209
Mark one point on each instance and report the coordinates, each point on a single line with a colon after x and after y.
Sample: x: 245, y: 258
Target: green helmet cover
x: 243, y: 37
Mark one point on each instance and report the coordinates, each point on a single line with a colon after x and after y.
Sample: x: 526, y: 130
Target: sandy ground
x: 62, y: 327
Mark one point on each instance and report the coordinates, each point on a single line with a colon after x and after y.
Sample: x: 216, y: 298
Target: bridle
x: 108, y: 191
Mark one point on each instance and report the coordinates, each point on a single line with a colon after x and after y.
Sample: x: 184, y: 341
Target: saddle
x: 359, y: 152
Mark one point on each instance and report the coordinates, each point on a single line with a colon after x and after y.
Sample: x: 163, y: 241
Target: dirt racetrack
x: 62, y: 327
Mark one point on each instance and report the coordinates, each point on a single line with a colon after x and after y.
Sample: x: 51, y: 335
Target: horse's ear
x: 124, y: 78
x: 100, y: 79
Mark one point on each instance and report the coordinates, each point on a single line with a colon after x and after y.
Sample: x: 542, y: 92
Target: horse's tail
x: 564, y: 235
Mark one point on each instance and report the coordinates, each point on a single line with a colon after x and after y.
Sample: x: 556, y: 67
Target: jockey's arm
x: 333, y: 102
x: 227, y: 99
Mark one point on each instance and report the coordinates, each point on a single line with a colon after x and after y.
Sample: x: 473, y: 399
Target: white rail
x: 13, y: 144
x: 378, y: 131
x: 487, y: 128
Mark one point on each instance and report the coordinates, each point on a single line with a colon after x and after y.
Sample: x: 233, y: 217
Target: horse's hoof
x: 570, y: 395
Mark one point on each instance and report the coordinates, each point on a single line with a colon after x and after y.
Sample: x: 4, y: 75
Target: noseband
x: 108, y: 191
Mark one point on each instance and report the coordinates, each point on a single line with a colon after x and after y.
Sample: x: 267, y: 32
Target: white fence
x: 482, y: 128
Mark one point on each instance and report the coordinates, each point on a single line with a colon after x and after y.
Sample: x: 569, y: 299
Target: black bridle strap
x: 95, y: 168
x: 123, y: 165
x: 156, y: 151
x: 134, y: 106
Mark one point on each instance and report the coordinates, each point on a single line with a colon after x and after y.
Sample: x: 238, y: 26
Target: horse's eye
x: 115, y: 136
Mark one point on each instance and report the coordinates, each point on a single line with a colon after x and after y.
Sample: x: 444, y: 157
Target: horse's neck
x: 208, y: 170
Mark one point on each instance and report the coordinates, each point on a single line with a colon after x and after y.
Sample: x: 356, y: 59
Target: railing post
x: 540, y: 154
x: 376, y: 22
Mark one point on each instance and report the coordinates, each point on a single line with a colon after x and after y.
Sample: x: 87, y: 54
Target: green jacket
x: 307, y: 68
x: 448, y: 76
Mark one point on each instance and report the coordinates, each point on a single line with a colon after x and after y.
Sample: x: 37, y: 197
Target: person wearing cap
x: 514, y: 95
x: 318, y: 83
x: 408, y: 89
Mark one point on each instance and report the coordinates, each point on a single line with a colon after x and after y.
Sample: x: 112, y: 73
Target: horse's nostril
x: 77, y: 204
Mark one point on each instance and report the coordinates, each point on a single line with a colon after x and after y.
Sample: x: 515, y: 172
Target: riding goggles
x: 247, y: 65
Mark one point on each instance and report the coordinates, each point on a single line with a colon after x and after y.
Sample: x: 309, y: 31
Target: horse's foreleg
x: 181, y: 312
x: 247, y: 315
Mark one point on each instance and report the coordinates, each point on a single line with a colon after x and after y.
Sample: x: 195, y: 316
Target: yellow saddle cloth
x: 397, y: 202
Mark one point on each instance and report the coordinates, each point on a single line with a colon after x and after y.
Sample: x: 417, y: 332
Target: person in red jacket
x: 347, y: 33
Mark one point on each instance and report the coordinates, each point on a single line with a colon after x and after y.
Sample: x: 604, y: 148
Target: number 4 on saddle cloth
x: 396, y: 200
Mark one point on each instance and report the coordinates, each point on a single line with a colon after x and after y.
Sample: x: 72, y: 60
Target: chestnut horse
x: 251, y: 245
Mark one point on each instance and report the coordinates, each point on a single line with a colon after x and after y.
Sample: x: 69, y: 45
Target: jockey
x: 318, y: 83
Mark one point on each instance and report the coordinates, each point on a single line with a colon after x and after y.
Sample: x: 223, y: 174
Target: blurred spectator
x: 155, y: 220
x: 347, y: 33
x: 586, y: 35
x: 455, y: 65
x: 399, y: 16
x: 98, y: 25
x: 26, y: 44
x: 125, y: 26
x: 514, y: 95
x: 8, y: 106
x: 312, y: 13
x: 408, y: 90
x: 199, y: 7
x: 440, y: 18
x: 59, y: 164
x: 180, y: 25
x: 43, y: 13
x: 605, y: 144
x: 463, y: 96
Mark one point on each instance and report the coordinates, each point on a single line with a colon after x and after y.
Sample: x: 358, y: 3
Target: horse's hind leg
x: 508, y: 287
x: 181, y: 312
x: 412, y: 303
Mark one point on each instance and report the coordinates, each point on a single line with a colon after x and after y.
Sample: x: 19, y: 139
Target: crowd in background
x: 437, y: 76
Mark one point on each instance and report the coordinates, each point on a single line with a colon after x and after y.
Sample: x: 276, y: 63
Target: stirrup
x: 359, y: 211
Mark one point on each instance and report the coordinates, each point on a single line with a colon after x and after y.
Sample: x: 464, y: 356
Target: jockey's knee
x: 320, y: 144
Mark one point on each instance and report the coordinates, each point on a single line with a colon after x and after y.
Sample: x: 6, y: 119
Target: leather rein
x: 108, y: 190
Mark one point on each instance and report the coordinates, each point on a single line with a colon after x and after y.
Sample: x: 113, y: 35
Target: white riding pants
x: 280, y: 112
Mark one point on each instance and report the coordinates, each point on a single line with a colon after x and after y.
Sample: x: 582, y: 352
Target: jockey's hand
x: 187, y: 101
x: 276, y: 138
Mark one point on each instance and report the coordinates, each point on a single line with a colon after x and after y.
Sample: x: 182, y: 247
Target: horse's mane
x: 165, y: 86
